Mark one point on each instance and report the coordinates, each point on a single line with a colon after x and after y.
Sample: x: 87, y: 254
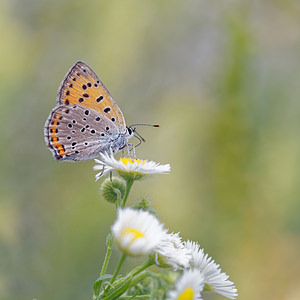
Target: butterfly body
x: 86, y: 120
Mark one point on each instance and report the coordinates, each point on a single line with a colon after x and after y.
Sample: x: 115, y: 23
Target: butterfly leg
x: 131, y: 150
x: 123, y: 152
x: 101, y: 173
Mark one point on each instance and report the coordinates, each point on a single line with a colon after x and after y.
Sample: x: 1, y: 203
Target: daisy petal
x: 137, y: 232
x: 128, y: 167
x: 212, y: 273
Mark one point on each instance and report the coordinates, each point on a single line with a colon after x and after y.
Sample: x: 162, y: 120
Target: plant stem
x: 138, y: 278
x: 133, y: 273
x: 119, y: 199
x: 129, y: 183
x: 141, y: 268
x: 120, y: 263
x: 109, y: 243
x: 135, y: 297
x: 107, y: 255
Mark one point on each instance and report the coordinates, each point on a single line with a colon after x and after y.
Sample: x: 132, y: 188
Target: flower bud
x: 113, y: 189
x: 144, y: 204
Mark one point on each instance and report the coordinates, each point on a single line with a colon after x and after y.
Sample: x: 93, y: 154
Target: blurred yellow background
x: 222, y: 80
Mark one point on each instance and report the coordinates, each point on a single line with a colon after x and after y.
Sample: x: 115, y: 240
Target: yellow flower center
x: 126, y: 160
x: 187, y: 294
x: 136, y: 233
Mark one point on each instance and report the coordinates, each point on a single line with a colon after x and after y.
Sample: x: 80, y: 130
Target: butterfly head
x: 130, y: 131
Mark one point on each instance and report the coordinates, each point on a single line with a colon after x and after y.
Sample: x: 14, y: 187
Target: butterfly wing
x: 86, y: 121
x: 78, y: 133
x: 82, y: 86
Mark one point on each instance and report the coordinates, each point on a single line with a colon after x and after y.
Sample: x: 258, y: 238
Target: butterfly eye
x: 130, y: 131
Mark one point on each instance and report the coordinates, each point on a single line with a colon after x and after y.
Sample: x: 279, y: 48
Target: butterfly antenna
x: 151, y: 125
x: 137, y: 135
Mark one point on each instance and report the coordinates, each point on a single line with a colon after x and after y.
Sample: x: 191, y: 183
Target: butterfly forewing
x: 82, y: 86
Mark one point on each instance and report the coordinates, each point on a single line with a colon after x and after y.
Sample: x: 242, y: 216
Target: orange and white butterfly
x: 86, y: 120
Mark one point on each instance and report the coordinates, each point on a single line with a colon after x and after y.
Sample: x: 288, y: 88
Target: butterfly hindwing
x: 82, y: 86
x: 75, y: 132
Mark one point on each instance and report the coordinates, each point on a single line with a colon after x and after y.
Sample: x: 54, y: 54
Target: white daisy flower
x: 128, y: 167
x: 212, y: 273
x: 188, y: 287
x: 137, y: 232
x: 171, y: 252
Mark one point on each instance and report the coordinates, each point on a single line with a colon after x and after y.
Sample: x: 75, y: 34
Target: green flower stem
x: 121, y: 261
x: 118, y: 289
x: 129, y: 276
x: 109, y: 242
x: 138, y: 278
x: 138, y: 273
x: 141, y: 268
x: 129, y: 183
x: 135, y: 297
x: 118, y: 201
x: 154, y: 290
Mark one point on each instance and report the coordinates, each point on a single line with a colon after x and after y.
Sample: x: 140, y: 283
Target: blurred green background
x: 222, y: 80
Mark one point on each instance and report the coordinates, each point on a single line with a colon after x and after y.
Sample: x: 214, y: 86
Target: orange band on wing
x: 54, y: 141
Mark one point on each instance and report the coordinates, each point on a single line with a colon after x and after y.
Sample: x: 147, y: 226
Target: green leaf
x: 99, y: 281
x: 118, y: 289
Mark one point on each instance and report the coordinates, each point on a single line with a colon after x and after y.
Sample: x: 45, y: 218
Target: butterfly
x: 86, y: 120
